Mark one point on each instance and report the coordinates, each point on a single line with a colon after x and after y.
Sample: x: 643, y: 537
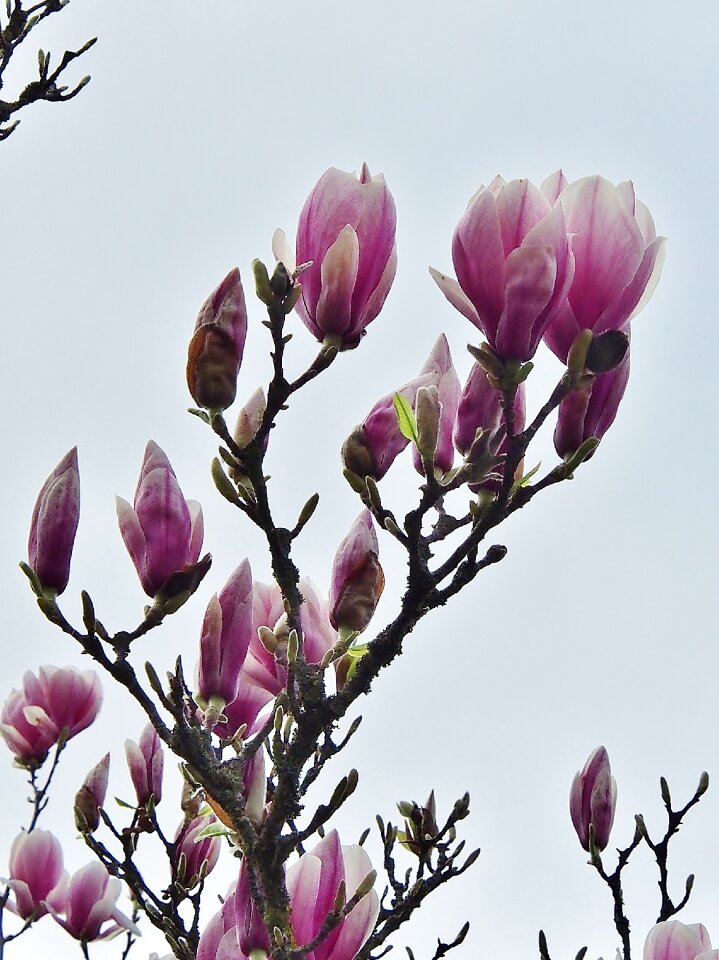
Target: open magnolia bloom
x: 618, y: 257
x: 90, y: 904
x: 346, y: 232
x: 673, y: 940
x: 162, y: 532
x: 514, y: 266
x: 237, y: 932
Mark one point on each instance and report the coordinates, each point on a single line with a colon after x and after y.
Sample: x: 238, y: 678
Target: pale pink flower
x: 347, y: 230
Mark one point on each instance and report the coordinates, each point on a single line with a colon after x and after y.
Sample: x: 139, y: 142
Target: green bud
x: 291, y: 299
x: 262, y: 283
x: 488, y: 360
x: 703, y: 784
x: 577, y: 357
x: 366, y: 885
x: 427, y: 414
x: 580, y: 454
x: 223, y: 483
x: 293, y: 643
x: 307, y: 511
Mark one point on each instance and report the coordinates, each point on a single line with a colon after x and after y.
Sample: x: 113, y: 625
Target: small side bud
x: 293, y: 643
x: 307, y: 510
x: 366, y: 885
x: 607, y: 351
x: 666, y: 795
x: 577, y: 357
x: 427, y: 413
x: 585, y: 450
x: 341, y: 897
x: 357, y: 455
x: 262, y: 283
x: 224, y: 484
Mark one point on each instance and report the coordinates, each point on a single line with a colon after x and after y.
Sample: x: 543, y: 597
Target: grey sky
x: 204, y: 128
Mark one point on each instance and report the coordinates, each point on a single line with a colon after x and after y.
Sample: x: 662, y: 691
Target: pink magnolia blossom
x: 347, y: 230
x: 268, y: 669
x: 237, y: 929
x: 146, y: 761
x: 54, y: 524
x: 312, y: 884
x: 590, y: 411
x: 91, y: 903
x: 618, y: 257
x: 163, y: 531
x: 440, y: 369
x: 198, y: 854
x: 219, y: 938
x: 251, y: 930
x: 373, y: 446
x: 57, y: 703
x: 246, y: 707
x: 673, y: 940
x: 217, y: 345
x: 249, y: 419
x: 480, y: 408
x: 37, y: 878
x: 593, y: 799
x: 226, y: 634
x: 91, y: 796
x: 514, y: 266
x: 357, y: 579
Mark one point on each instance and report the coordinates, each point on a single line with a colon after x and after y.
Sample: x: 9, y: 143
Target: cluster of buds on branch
x: 280, y: 664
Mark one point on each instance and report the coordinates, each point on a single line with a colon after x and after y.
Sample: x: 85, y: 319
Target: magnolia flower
x: 91, y: 903
x: 268, y: 668
x: 618, y: 257
x: 514, y: 266
x: 357, y: 579
x: 163, y: 531
x: 226, y: 634
x: 593, y: 799
x: 312, y: 884
x: 146, y: 762
x: 37, y: 878
x: 672, y: 940
x: 441, y: 400
x: 217, y: 345
x: 54, y: 524
x: 91, y: 796
x: 56, y: 704
x: 346, y: 230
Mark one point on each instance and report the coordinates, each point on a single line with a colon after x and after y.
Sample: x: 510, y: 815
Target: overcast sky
x: 205, y: 126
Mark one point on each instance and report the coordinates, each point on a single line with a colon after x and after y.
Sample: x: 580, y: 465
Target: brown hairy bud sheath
x: 359, y: 598
x: 357, y: 454
x: 87, y: 814
x: 212, y: 368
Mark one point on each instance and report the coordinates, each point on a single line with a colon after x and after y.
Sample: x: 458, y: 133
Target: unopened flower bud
x: 217, y: 345
x: 427, y: 412
x: 590, y: 410
x: 347, y: 230
x: 194, y: 858
x: 162, y: 531
x: 91, y: 796
x: 438, y: 410
x: 146, y: 762
x: 357, y: 578
x: 249, y: 419
x: 54, y: 524
x: 593, y: 799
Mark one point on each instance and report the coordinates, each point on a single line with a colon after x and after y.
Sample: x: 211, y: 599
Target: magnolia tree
x: 279, y: 664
